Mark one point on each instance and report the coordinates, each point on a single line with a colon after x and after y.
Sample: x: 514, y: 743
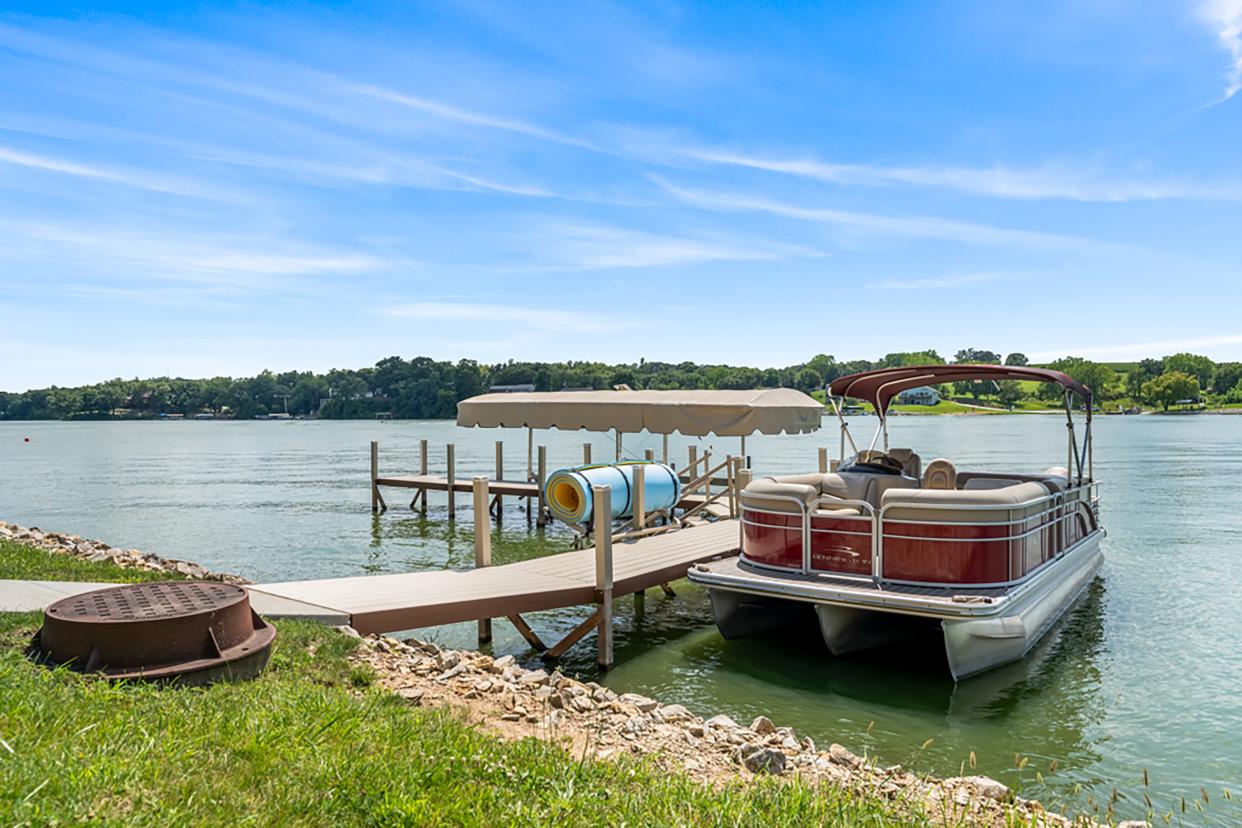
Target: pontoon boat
x: 883, y: 547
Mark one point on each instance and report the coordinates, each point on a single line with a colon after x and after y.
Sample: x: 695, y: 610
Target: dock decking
x: 388, y: 603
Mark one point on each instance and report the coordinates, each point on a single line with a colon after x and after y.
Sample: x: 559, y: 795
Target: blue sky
x: 193, y: 190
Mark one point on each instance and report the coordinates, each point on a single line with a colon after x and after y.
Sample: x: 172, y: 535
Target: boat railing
x: 829, y: 541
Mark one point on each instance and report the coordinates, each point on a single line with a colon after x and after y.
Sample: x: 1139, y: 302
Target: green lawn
x: 25, y: 563
x: 311, y: 742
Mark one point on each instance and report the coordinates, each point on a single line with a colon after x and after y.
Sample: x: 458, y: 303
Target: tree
x: 1009, y: 394
x: 809, y: 380
x: 1018, y: 359
x: 1171, y: 387
x: 903, y: 359
x: 1095, y: 375
x: 1227, y: 377
x: 977, y: 357
x: 1199, y: 367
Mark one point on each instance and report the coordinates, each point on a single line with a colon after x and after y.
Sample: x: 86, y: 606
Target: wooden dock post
x: 482, y: 544
x: 374, y: 475
x: 707, y: 466
x: 586, y: 454
x: 500, y: 475
x: 649, y: 455
x: 603, y: 572
x: 452, y: 478
x: 541, y: 479
x: 693, y: 452
x: 640, y: 498
x: 823, y: 460
x: 420, y: 495
x: 735, y: 466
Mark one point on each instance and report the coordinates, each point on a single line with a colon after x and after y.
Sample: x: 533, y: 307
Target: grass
x: 313, y: 742
x: 21, y: 562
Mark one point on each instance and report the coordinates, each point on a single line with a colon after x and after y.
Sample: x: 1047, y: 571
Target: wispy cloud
x: 1138, y: 350
x: 129, y: 178
x: 466, y: 116
x: 927, y: 227
x: 937, y: 282
x: 234, y: 260
x: 544, y: 319
x: 1045, y: 182
x: 580, y: 246
x: 1225, y: 16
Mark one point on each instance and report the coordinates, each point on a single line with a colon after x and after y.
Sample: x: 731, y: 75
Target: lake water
x: 1145, y: 673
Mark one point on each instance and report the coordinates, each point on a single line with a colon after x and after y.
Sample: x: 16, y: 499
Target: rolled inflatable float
x: 569, y: 497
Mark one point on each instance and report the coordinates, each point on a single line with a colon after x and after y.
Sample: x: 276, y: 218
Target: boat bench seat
x: 941, y: 505
x: 783, y: 494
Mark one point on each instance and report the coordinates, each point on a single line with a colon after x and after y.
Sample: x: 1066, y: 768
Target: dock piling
x: 482, y: 544
x: 452, y: 479
x: 823, y: 460
x: 374, y: 476
x: 640, y: 498
x: 586, y: 454
x: 603, y: 572
x: 542, y: 479
x: 500, y: 475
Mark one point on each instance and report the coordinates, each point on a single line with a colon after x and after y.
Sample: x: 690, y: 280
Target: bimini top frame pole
x: 881, y: 387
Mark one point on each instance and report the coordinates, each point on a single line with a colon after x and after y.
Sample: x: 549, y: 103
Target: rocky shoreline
x: 57, y: 543
x: 588, y: 719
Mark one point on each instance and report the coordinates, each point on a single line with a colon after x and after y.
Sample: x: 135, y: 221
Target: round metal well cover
x: 196, y: 631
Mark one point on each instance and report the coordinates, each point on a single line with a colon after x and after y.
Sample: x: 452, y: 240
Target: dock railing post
x: 452, y: 480
x: 693, y: 453
x: 482, y: 544
x: 707, y: 467
x: 540, y: 480
x: 603, y: 571
x: 586, y: 454
x: 374, y: 475
x: 823, y: 460
x: 649, y: 455
x: 640, y: 498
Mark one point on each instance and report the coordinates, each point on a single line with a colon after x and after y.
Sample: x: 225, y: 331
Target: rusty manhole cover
x: 196, y: 631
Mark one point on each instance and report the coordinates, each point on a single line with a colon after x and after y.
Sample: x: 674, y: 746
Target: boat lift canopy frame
x: 881, y: 387
x: 725, y: 413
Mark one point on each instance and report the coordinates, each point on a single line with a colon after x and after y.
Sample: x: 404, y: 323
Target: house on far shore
x: 512, y: 389
x: 923, y: 395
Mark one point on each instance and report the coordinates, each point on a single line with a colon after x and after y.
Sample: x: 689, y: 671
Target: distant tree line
x: 423, y: 388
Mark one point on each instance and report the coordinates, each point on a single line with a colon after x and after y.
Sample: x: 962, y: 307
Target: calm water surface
x: 1146, y: 672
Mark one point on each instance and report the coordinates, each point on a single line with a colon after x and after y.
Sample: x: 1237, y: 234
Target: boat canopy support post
x: 845, y: 427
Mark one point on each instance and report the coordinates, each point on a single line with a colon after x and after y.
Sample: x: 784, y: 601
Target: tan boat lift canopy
x: 693, y: 413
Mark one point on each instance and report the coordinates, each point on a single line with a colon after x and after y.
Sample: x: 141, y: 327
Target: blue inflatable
x: 569, y: 497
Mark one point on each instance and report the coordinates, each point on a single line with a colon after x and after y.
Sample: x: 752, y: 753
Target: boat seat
x: 940, y: 474
x: 1052, y: 479
x: 911, y: 463
x: 784, y: 493
x: 938, y: 505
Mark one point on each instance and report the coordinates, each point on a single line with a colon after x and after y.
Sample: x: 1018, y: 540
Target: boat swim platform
x: 390, y: 603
